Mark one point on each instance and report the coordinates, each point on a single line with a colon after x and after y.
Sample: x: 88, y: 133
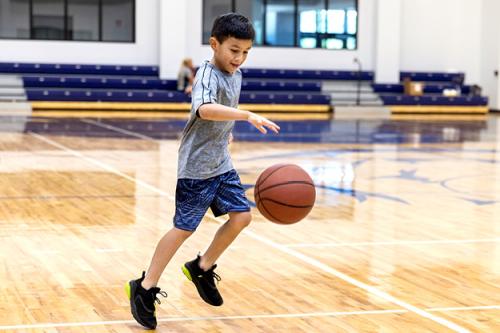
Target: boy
x: 206, y: 177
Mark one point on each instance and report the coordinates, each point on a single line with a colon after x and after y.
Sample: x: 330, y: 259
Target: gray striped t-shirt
x: 204, y: 152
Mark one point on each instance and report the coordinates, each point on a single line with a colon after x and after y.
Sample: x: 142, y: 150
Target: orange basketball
x: 284, y: 193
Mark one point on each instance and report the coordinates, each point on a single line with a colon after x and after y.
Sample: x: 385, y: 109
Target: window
x: 48, y: 19
x: 280, y: 23
x: 254, y: 10
x: 312, y: 21
x: 118, y: 20
x: 14, y: 19
x: 79, y: 20
x: 329, y: 24
x: 212, y: 9
x: 83, y: 19
x: 342, y: 24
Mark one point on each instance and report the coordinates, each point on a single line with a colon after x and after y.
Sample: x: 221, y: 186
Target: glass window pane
x: 118, y: 20
x: 312, y: 22
x: 308, y: 43
x: 352, y: 22
x: 351, y: 43
x: 254, y: 10
x: 83, y: 19
x: 334, y: 44
x: 307, y: 21
x: 212, y: 9
x: 48, y: 19
x: 280, y: 22
x: 340, y: 13
x: 311, y: 15
x: 14, y: 19
x: 336, y: 21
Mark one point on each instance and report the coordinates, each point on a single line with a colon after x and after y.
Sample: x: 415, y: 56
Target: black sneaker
x: 204, y: 281
x: 142, y: 302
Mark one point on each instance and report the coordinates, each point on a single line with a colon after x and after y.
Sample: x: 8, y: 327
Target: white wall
x: 387, y: 41
x: 490, y: 55
x: 441, y: 35
x: 174, y: 25
x: 145, y: 51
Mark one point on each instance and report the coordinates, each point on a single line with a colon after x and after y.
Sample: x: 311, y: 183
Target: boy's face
x: 230, y: 54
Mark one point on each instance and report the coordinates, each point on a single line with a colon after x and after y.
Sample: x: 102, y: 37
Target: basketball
x: 284, y: 193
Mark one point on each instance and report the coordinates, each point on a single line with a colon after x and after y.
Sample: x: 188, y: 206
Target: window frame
x: 295, y: 28
x: 66, y: 31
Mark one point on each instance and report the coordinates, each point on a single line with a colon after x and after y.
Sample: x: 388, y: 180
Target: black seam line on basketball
x: 286, y: 183
x: 269, y: 175
x: 274, y: 217
x: 287, y: 205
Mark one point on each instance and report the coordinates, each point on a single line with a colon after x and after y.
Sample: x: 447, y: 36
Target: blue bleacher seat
x: 433, y: 76
x: 80, y: 95
x: 122, y: 70
x: 105, y: 95
x: 306, y: 74
x: 98, y: 82
x: 434, y: 100
x: 428, y: 88
x: 277, y: 85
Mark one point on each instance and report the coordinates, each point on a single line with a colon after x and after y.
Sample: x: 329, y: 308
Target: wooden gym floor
x: 404, y: 237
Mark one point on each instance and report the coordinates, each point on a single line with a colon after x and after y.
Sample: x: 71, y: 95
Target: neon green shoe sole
x: 186, y: 272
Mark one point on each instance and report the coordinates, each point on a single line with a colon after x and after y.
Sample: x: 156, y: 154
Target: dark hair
x: 232, y: 25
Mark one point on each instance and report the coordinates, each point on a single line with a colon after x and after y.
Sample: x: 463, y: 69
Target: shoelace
x: 211, y: 274
x: 158, y: 291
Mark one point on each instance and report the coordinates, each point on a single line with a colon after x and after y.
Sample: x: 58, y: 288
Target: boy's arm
x: 218, y: 112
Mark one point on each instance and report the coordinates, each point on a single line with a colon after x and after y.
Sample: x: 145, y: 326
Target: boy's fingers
x: 273, y: 127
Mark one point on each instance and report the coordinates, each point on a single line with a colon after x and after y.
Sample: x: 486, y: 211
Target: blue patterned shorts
x: 193, y: 197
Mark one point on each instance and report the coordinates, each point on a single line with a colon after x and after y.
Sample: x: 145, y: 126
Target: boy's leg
x: 229, y: 199
x: 201, y: 270
x: 193, y: 197
x: 143, y: 291
x: 226, y: 234
x: 165, y: 250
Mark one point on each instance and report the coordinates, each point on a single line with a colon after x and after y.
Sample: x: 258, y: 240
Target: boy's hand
x: 231, y: 138
x: 261, y: 123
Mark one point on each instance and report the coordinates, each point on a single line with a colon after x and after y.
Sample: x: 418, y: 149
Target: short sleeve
x: 205, y: 88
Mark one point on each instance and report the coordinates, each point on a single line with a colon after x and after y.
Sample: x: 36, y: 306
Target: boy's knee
x: 242, y: 220
x: 184, y: 234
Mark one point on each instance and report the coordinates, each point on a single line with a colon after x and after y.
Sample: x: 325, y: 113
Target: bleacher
x: 62, y: 86
x: 433, y: 98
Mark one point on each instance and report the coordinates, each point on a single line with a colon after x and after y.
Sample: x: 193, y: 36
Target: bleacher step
x: 10, y: 81
x: 11, y: 98
x: 15, y: 108
x: 11, y: 91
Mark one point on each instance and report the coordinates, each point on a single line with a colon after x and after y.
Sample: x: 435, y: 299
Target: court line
x: 466, y: 308
x: 309, y: 260
x: 256, y: 316
x: 206, y: 318
x: 117, y: 129
x: 396, y: 242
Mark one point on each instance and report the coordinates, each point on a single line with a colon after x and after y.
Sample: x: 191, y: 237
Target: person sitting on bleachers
x: 185, y: 76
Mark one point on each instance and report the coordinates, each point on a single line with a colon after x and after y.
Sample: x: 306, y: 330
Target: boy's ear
x: 213, y: 43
